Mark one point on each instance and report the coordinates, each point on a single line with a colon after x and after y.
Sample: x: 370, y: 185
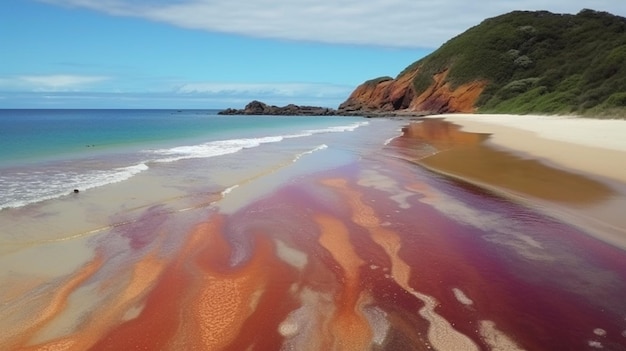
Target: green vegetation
x: 375, y: 81
x: 538, y: 62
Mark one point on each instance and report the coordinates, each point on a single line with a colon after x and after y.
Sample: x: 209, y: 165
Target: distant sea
x: 46, y: 154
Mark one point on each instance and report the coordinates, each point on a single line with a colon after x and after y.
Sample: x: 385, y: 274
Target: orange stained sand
x: 225, y: 299
x: 15, y: 288
x: 199, y: 302
x: 362, y: 214
x: 160, y: 318
x: 144, y: 275
x: 365, y: 216
x: 336, y: 239
x: 271, y: 303
x: 442, y: 135
x: 441, y: 334
x: 221, y: 309
x: 63, y: 344
x: 350, y: 329
x: 464, y: 155
x: 20, y: 336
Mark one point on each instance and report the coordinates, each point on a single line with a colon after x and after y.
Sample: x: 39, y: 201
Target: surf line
x: 272, y: 170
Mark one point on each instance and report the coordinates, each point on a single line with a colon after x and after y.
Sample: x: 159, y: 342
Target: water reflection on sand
x: 376, y: 253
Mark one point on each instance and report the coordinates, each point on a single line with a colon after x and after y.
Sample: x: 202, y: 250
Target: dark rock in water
x: 259, y: 108
x: 76, y: 191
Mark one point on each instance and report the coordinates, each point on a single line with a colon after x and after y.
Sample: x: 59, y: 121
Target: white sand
x: 593, y: 146
x: 590, y: 147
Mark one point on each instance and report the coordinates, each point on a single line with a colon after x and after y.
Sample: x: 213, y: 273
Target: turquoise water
x: 46, y: 153
x: 35, y: 135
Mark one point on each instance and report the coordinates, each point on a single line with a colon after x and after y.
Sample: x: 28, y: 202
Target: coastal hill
x: 520, y: 62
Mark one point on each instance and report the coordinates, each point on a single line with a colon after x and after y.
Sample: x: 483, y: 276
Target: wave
x: 28, y: 188
x: 212, y: 148
x: 339, y: 129
x: 229, y: 189
x: 388, y: 141
x: 321, y: 147
x: 273, y: 169
x: 231, y: 146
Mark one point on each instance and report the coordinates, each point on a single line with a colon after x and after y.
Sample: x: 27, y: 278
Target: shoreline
x: 349, y: 247
x: 605, y: 232
x: 563, y: 141
x: 549, y: 142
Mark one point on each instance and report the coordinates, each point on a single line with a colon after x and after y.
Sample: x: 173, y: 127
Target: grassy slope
x: 539, y: 62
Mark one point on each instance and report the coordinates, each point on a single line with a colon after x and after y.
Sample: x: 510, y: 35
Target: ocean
x: 46, y: 154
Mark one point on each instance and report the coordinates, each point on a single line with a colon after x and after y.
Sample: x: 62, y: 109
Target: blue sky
x: 224, y: 53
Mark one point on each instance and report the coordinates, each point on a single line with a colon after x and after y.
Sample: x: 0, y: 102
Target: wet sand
x: 375, y: 253
x: 575, y: 169
x: 592, y: 146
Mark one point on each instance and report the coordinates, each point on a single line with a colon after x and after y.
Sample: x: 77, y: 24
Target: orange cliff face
x: 386, y: 95
x: 382, y: 94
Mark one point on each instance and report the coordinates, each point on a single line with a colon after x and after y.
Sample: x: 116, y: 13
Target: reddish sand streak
x: 145, y: 273
x: 350, y: 328
x: 440, y: 333
x: 23, y: 333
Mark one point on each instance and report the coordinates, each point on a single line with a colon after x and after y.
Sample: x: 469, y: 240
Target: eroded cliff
x: 388, y: 94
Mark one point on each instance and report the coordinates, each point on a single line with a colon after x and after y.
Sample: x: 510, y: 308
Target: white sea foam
x: 441, y: 333
x: 38, y: 186
x: 599, y: 332
x: 230, y: 146
x: 400, y: 133
x: 212, y: 148
x: 30, y: 186
x: 229, y: 189
x: 339, y: 129
x: 321, y: 147
x: 296, y: 258
x: 461, y: 297
x: 496, y: 339
x: 595, y: 344
x: 298, y: 135
x: 377, y: 319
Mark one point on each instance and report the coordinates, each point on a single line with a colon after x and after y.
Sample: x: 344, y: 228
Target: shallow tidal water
x: 352, y: 246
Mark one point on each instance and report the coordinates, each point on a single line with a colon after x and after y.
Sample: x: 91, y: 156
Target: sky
x: 224, y: 53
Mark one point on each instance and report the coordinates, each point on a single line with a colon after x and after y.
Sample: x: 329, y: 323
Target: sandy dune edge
x: 593, y: 146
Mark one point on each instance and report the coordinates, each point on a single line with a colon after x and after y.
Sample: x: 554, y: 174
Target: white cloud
x: 317, y: 90
x: 54, y: 82
x: 400, y: 23
x: 191, y: 95
x: 61, y: 81
x: 76, y: 87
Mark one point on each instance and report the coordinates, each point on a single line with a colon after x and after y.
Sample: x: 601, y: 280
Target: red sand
x: 361, y: 272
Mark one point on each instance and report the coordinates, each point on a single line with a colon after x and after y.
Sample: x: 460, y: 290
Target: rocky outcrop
x: 381, y: 95
x: 441, y: 97
x: 398, y: 95
x: 259, y: 108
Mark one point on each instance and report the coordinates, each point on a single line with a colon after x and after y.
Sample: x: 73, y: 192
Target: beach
x: 591, y: 148
x: 388, y: 235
